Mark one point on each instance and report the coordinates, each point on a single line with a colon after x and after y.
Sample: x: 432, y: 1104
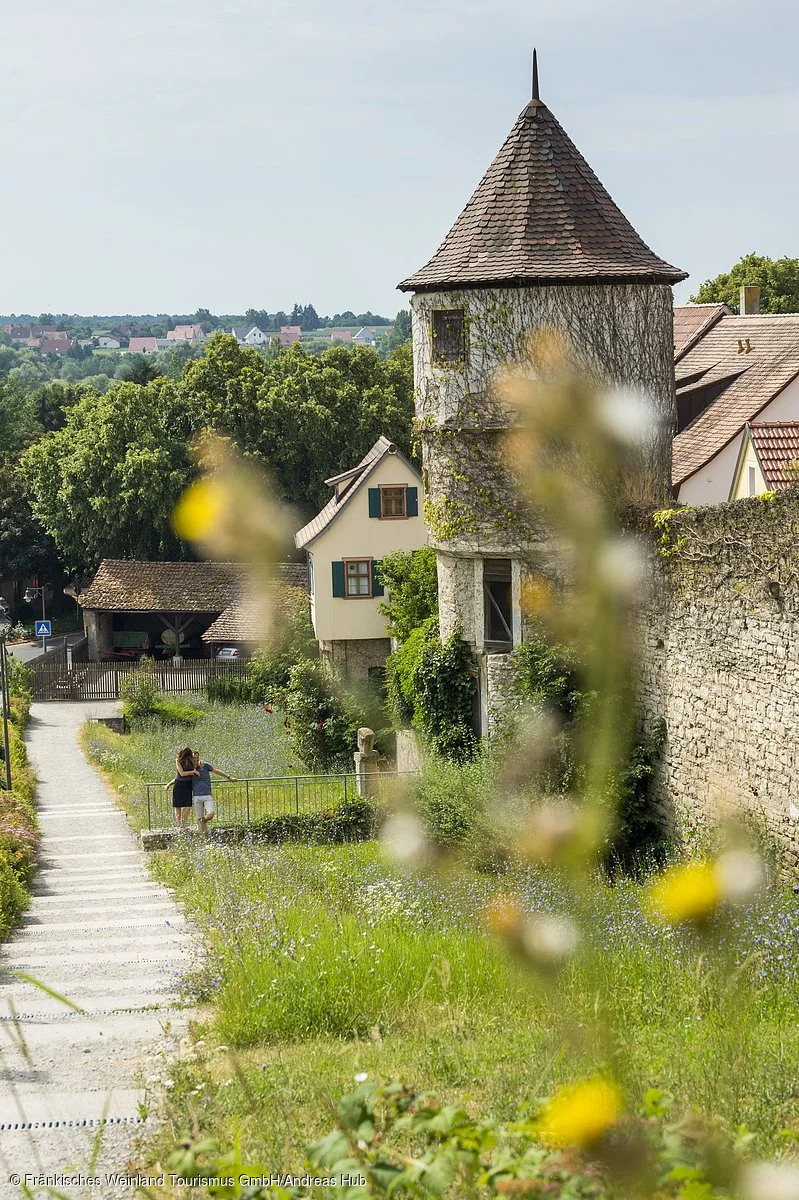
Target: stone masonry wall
x: 720, y: 661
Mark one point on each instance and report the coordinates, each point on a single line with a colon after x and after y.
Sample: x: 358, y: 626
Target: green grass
x: 241, y: 739
x: 325, y: 962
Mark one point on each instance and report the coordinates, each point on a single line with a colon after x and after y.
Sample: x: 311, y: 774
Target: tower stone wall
x: 619, y: 334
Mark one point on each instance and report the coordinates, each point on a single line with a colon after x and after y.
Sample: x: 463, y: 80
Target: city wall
x: 720, y: 661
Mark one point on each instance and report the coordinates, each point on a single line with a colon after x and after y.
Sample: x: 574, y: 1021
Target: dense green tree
x: 52, y: 401
x: 778, y: 279
x: 18, y: 424
x: 139, y: 369
x: 25, y: 548
x: 401, y: 333
x: 206, y: 318
x: 105, y: 485
x: 304, y: 417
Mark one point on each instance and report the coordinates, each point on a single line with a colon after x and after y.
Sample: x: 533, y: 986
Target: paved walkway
x: 100, y: 932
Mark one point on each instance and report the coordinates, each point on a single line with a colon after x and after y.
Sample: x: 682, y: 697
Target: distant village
x: 51, y: 340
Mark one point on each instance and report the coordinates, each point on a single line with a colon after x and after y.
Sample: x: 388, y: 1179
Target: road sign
x: 44, y: 629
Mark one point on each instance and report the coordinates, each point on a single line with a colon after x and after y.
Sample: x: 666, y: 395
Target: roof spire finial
x: 535, y: 75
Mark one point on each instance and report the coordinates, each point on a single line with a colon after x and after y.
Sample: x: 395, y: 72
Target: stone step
x: 116, y: 982
x: 120, y: 925
x: 75, y: 1107
x: 37, y: 918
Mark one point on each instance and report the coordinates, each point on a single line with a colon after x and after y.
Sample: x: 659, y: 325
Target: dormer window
x: 392, y: 502
x: 449, y: 336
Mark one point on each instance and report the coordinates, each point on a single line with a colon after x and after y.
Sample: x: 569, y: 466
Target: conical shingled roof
x: 540, y: 215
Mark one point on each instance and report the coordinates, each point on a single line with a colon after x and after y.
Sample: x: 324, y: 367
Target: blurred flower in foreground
x: 685, y: 893
x: 740, y: 874
x: 550, y: 830
x: 695, y: 891
x: 503, y: 916
x: 580, y: 1114
x: 770, y: 1181
x: 229, y: 513
x: 404, y: 837
x: 200, y: 510
x: 628, y: 415
x: 549, y: 941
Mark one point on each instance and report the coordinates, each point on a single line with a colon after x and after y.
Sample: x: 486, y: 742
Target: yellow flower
x: 687, y: 893
x: 503, y: 916
x: 578, y: 1115
x: 536, y: 595
x: 200, y: 509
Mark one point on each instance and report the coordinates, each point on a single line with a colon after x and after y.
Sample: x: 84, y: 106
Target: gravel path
x: 100, y: 932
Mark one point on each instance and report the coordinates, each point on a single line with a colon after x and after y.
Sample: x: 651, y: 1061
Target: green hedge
x: 19, y: 834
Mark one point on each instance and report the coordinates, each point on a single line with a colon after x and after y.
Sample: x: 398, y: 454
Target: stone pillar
x: 366, y: 759
x: 99, y: 632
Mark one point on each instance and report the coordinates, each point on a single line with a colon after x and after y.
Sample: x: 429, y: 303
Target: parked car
x: 228, y: 652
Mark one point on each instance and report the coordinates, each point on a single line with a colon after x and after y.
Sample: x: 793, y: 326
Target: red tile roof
x: 776, y: 444
x: 691, y: 321
x: 130, y: 586
x: 757, y: 375
x: 123, y: 585
x: 246, y: 621
x: 540, y: 214
x: 142, y: 345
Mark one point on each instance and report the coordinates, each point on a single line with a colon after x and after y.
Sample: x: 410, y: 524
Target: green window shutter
x: 338, y: 579
x: 412, y: 502
x: 374, y: 502
x: 377, y: 587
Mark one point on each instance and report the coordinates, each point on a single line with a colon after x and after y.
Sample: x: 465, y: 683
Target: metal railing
x: 248, y: 801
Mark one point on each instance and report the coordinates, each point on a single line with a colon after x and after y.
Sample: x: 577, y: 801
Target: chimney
x: 749, y: 301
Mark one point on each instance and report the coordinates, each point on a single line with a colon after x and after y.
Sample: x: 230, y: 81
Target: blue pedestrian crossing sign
x: 44, y: 629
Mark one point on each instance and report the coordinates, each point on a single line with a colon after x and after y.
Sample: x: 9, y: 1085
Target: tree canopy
x: 105, y: 482
x: 105, y: 485
x: 778, y: 279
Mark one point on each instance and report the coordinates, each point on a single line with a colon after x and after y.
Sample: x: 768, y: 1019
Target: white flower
x: 739, y: 874
x: 549, y: 941
x: 361, y: 1077
x: 628, y: 415
x: 621, y: 564
x: 770, y: 1181
x: 404, y: 836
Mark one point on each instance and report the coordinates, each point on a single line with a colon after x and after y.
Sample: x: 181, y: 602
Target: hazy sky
x: 160, y: 156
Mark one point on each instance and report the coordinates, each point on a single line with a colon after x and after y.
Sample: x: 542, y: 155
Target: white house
x: 375, y: 508
x: 250, y: 337
x: 108, y: 342
x: 364, y: 337
x: 736, y: 370
x: 768, y: 460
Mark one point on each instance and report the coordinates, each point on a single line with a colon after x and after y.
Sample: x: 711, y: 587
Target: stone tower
x: 540, y: 245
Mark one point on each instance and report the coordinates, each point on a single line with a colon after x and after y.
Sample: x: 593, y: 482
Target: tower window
x: 497, y: 605
x: 449, y: 336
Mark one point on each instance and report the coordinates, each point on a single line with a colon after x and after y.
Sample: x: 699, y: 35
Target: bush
x: 140, y: 690
x: 323, y: 719
x: 12, y: 896
x: 412, y: 583
x: 548, y: 678
x: 268, y: 671
x: 145, y: 701
x: 431, y: 684
x: 19, y: 837
x: 176, y: 712
x: 451, y: 799
x: 352, y: 822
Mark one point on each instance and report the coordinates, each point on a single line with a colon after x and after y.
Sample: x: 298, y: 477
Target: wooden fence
x: 101, y: 681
